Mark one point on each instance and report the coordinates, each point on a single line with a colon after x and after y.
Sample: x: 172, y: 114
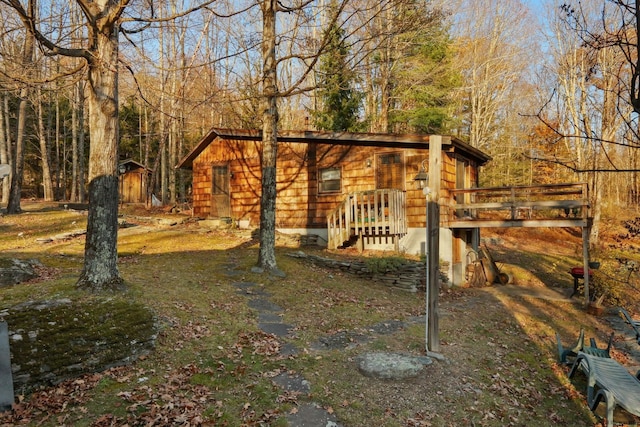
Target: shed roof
x: 131, y: 164
x: 336, y: 138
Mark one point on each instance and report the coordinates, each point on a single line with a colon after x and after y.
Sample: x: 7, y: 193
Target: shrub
x: 385, y: 264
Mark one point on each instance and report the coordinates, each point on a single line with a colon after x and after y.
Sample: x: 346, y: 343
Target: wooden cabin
x: 133, y: 178
x: 344, y: 188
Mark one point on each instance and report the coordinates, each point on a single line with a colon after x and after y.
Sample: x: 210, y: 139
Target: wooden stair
x: 374, y: 214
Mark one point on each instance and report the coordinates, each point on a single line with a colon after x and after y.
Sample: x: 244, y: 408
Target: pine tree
x: 425, y: 79
x: 340, y: 101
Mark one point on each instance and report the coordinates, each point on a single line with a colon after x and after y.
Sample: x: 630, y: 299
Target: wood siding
x: 132, y: 186
x: 299, y: 203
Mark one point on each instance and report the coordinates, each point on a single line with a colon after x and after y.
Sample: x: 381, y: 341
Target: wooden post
x: 433, y: 243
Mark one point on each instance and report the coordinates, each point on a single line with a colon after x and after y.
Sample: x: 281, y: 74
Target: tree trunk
x: 74, y: 145
x: 4, y: 153
x: 15, y: 192
x: 81, y: 134
x: 45, y: 161
x: 267, y: 255
x: 100, y: 270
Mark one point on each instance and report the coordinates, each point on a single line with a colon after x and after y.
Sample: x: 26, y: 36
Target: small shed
x: 133, y: 179
x: 345, y: 188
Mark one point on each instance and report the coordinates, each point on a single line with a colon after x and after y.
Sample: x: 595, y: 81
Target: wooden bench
x: 608, y: 382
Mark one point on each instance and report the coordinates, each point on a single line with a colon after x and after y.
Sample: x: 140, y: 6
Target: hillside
x: 214, y: 364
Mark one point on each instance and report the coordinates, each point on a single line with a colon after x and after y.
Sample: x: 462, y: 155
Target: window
x: 330, y: 180
x: 390, y: 171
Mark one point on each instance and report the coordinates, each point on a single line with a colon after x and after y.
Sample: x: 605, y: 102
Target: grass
x: 212, y: 365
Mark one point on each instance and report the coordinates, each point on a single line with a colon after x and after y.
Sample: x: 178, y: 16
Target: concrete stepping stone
x: 340, y: 340
x: 278, y: 329
x: 312, y: 415
x: 250, y: 288
x: 263, y: 304
x: 387, y: 327
x: 293, y: 383
x: 269, y: 317
x: 244, y: 286
x: 288, y: 349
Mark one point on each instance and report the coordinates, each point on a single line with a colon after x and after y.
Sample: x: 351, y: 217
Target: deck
x: 552, y: 205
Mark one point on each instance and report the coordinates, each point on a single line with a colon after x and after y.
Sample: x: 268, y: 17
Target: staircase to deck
x: 377, y: 215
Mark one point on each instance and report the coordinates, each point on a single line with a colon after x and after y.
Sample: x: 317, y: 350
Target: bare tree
x: 100, y: 54
x: 492, y: 44
x: 266, y: 258
x: 103, y: 20
x: 594, y: 102
x: 47, y: 182
x: 15, y: 192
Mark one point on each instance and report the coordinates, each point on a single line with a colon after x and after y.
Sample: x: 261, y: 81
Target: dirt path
x: 542, y: 292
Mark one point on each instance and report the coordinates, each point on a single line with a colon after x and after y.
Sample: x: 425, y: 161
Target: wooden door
x: 390, y: 171
x: 461, y: 183
x: 220, y: 198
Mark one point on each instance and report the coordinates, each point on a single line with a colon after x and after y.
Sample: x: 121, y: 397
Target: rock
x: 311, y: 415
x: 54, y: 340
x: 292, y: 383
x: 277, y: 273
x: 391, y: 366
x: 14, y: 271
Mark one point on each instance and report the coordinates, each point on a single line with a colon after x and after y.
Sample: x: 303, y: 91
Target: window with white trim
x: 329, y: 180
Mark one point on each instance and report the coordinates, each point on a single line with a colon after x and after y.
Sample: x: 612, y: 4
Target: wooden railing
x: 552, y: 205
x: 368, y: 214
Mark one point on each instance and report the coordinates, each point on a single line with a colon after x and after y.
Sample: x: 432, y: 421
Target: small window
x: 330, y: 180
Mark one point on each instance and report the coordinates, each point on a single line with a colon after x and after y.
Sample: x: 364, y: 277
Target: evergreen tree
x: 425, y: 77
x: 340, y: 101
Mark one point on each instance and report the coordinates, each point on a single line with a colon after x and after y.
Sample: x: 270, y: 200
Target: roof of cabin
x: 336, y: 138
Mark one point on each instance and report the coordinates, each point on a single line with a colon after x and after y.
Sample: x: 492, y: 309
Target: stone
x: 392, y: 366
x: 14, y: 271
x: 267, y: 317
x: 388, y: 327
x: 311, y: 415
x: 54, y: 340
x: 339, y: 341
x: 292, y: 383
x: 263, y: 304
x: 277, y: 329
x: 288, y: 349
x: 275, y: 272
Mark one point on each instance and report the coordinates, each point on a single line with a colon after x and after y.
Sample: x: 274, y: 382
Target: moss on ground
x: 58, y: 339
